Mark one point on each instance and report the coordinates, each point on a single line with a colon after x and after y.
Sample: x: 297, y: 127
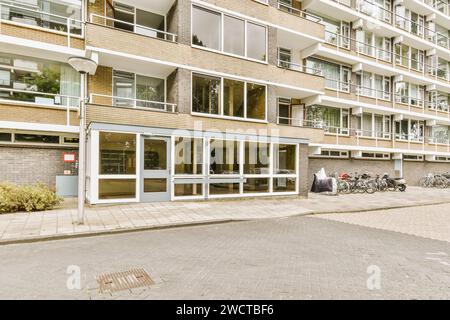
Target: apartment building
x: 207, y: 99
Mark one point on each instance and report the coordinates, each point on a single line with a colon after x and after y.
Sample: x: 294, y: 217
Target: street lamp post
x: 85, y: 67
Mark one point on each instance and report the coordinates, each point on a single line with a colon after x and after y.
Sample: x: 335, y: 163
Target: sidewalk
x: 61, y: 223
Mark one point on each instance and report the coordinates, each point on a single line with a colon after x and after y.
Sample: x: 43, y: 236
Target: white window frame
x: 221, y: 106
x: 221, y: 40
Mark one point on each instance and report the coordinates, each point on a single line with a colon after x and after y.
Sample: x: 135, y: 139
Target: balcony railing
x: 410, y: 100
x: 132, y: 27
x: 443, y: 140
x: 124, y: 102
x: 38, y: 98
x: 298, y: 67
x: 440, y: 5
x: 299, y: 13
x: 380, y: 13
x: 19, y: 15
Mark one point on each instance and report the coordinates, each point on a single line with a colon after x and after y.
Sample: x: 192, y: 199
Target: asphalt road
x: 293, y: 258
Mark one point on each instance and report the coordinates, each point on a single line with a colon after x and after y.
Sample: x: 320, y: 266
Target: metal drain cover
x: 126, y: 280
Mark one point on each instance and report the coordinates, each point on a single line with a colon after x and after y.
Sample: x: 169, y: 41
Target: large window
x: 117, y: 153
x: 440, y: 134
x: 221, y: 32
x: 132, y: 90
x: 410, y: 130
x: 206, y: 28
x: 409, y: 57
x: 337, y: 77
x: 333, y: 120
x: 374, y: 125
x: 240, y: 99
x: 373, y: 85
x: 234, y: 167
x: 38, y: 81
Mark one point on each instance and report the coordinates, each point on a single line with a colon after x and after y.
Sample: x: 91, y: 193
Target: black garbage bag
x: 322, y: 185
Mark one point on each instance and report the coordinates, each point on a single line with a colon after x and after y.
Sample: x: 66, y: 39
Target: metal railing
x: 299, y: 67
x: 347, y: 43
x: 382, y: 135
x: 299, y: 13
x: 15, y: 14
x: 410, y: 100
x: 132, y: 27
x: 124, y: 102
x: 387, y: 16
x: 443, y: 139
x: 440, y: 5
x: 41, y: 99
x: 380, y: 54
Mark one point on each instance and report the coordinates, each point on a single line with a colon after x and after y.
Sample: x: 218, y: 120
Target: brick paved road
x: 298, y: 257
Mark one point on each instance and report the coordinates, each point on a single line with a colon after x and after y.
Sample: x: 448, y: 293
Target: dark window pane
x: 233, y: 104
x: 6, y: 137
x: 205, y: 94
x: 36, y: 138
x: 117, y: 189
x: 256, y: 101
x: 155, y: 185
x: 117, y: 153
x: 223, y: 188
x: 155, y: 155
x: 188, y: 190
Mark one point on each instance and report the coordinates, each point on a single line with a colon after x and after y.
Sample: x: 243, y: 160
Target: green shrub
x: 27, y: 198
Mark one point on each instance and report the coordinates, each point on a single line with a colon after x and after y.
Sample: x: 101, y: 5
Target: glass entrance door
x: 155, y: 184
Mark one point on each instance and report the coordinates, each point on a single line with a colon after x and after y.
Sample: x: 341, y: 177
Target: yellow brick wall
x: 40, y: 35
x: 31, y: 114
x: 101, y: 83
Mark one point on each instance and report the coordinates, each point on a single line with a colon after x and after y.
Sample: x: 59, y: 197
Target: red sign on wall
x: 69, y: 157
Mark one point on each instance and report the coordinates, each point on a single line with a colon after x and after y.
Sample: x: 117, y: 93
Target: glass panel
x: 206, y: 29
x: 155, y: 154
x: 117, y: 153
x: 150, y: 89
x: 233, y: 104
x: 124, y: 13
x: 256, y: 185
x: 188, y: 190
x: 5, y: 136
x: 234, y: 36
x: 224, y: 157
x: 123, y: 88
x: 35, y: 138
x: 257, y: 158
x: 188, y: 156
x: 205, y: 94
x: 38, y: 81
x: 284, y: 158
x: 284, y: 184
x: 256, y: 42
x: 116, y: 189
x: 256, y: 101
x: 27, y: 14
x: 155, y: 185
x: 223, y: 188
x: 149, y: 20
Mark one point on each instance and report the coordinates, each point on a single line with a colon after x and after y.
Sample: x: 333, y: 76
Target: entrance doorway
x: 155, y: 184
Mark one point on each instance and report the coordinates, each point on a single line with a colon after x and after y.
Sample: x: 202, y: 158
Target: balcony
x: 299, y: 13
x: 124, y: 102
x: 30, y: 23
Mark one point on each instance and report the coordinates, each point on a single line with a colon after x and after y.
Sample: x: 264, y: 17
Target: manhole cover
x: 126, y: 280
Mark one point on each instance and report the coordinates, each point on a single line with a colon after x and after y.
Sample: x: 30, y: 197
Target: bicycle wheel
x: 344, y: 187
x: 371, y: 188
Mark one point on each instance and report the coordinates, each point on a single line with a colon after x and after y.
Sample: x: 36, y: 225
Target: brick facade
x: 30, y: 165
